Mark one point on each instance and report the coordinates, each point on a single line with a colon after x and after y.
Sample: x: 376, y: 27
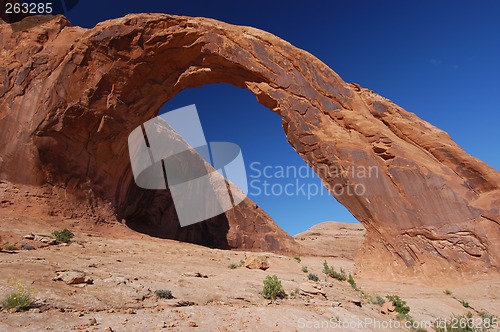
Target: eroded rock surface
x: 69, y: 97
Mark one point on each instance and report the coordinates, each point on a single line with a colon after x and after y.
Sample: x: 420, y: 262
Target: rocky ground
x: 334, y: 239
x: 109, y: 274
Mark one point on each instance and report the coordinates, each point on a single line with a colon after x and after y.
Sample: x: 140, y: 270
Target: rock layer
x: 69, y: 97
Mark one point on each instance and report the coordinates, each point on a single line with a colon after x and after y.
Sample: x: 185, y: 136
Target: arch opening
x: 276, y: 174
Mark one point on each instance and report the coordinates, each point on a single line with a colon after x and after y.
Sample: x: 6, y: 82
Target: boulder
x: 257, y: 262
x: 73, y: 277
x: 309, y: 288
x: 387, y: 307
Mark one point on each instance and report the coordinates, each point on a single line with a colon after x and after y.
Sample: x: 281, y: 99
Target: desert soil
x: 127, y: 268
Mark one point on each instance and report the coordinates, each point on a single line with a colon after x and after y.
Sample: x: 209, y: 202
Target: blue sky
x: 440, y: 60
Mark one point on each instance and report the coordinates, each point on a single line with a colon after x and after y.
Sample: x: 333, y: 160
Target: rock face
x: 69, y: 97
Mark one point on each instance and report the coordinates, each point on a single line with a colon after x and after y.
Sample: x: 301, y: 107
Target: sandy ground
x: 128, y: 267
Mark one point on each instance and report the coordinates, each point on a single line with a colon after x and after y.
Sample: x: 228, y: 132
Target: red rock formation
x: 70, y: 96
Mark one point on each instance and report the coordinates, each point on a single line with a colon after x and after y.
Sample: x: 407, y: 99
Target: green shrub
x: 232, y: 266
x: 164, y: 294
x: 486, y: 316
x: 10, y: 247
x: 400, y: 305
x: 294, y: 293
x: 63, y: 236
x: 465, y: 303
x: 19, y: 299
x: 352, y: 282
x: 304, y: 269
x: 297, y: 258
x: 330, y: 271
x: 313, y: 277
x: 404, y: 317
x: 326, y: 268
x: 273, y: 288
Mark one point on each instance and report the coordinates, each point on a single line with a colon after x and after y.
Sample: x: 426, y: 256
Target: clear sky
x: 438, y: 59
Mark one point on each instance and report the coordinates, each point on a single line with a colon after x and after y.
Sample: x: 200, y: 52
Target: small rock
x: 93, y: 321
x: 308, y: 288
x: 257, y: 262
x: 336, y: 304
x: 357, y: 303
x: 130, y: 311
x: 118, y: 280
x: 172, y: 324
x: 192, y: 324
x: 29, y: 236
x: 73, y: 277
x: 26, y: 247
x: 35, y: 310
x: 162, y: 325
x: 45, y: 239
x: 387, y: 307
x: 195, y: 275
x: 108, y: 329
x: 184, y: 303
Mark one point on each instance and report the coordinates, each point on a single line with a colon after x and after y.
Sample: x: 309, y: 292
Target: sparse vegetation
x: 313, y: 277
x: 376, y: 299
x: 232, y: 266
x: 304, y: 269
x: 352, y: 282
x: 448, y: 292
x: 330, y: 271
x: 164, y: 294
x: 399, y: 304
x: 63, y: 236
x: 10, y: 247
x: 297, y: 259
x: 486, y: 316
x: 20, y: 298
x: 404, y: 317
x: 294, y: 293
x: 465, y: 303
x: 273, y: 288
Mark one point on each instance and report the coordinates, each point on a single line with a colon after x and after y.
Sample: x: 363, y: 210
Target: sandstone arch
x: 433, y: 208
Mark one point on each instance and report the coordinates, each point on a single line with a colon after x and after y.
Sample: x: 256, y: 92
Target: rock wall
x: 69, y: 97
